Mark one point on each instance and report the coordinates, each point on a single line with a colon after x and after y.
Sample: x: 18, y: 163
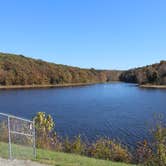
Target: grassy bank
x: 63, y: 159
x: 55, y: 158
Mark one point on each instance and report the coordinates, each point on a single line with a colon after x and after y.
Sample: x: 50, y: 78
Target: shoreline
x: 153, y: 86
x: 6, y: 87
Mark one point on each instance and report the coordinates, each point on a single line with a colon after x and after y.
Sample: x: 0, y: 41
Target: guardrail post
x: 9, y: 135
x: 34, y: 140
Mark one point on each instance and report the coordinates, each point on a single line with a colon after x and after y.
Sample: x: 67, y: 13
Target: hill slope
x: 152, y: 74
x: 21, y: 70
x: 53, y: 158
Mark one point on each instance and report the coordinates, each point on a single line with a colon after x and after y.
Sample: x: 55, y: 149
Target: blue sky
x: 104, y: 34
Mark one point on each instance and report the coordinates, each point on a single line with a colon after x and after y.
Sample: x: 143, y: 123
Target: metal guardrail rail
x: 19, y: 127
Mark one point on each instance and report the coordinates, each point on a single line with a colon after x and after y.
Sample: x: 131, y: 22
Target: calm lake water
x: 117, y: 110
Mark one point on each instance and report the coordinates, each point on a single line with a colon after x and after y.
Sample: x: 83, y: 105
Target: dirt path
x: 4, y: 162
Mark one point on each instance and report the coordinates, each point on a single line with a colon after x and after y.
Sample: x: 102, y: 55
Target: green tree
x: 44, y: 129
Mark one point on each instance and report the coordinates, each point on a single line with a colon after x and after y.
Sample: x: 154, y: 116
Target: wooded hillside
x: 21, y: 70
x: 152, y: 74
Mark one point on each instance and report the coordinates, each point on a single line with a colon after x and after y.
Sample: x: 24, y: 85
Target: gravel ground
x: 4, y: 162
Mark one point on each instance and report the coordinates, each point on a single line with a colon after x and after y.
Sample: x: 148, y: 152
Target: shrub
x: 44, y: 130
x: 55, y: 143
x: 153, y: 154
x: 160, y: 146
x: 144, y: 153
x: 76, y: 145
x: 67, y: 145
x: 109, y: 150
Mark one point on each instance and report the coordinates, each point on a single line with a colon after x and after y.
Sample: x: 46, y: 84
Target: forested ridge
x: 21, y: 70
x: 151, y: 74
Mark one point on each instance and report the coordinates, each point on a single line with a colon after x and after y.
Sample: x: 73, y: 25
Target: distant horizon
x: 105, y: 34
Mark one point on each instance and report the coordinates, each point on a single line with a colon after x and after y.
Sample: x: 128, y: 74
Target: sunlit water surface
x: 116, y: 110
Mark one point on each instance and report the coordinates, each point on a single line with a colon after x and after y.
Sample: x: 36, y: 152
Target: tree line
x: 151, y: 74
x: 21, y: 70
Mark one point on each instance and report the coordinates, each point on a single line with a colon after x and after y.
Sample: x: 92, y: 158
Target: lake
x: 116, y: 110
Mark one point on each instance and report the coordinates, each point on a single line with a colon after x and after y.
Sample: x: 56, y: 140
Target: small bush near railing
x: 107, y: 149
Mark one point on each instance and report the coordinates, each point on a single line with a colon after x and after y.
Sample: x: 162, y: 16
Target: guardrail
x: 19, y: 134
